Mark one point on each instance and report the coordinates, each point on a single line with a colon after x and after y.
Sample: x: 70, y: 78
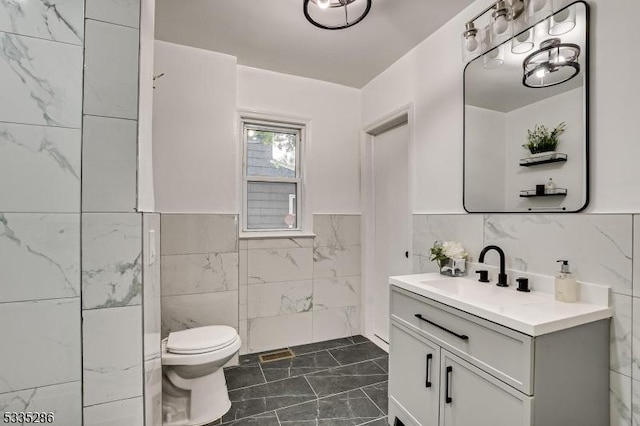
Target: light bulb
x: 560, y: 59
x: 538, y: 4
x: 501, y: 24
x: 472, y: 43
x: 541, y: 73
x: 323, y: 4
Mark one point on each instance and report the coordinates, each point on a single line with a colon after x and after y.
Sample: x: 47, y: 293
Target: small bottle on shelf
x: 550, y: 187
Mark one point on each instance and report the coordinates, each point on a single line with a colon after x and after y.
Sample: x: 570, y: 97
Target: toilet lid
x: 201, y: 339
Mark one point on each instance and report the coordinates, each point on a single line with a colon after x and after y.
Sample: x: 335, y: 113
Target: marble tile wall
x: 51, y: 73
x: 301, y: 290
x: 118, y: 363
x: 199, y: 271
x: 277, y: 292
x: 336, y: 276
x: 600, y: 249
x: 152, y: 319
x: 112, y: 308
x: 41, y: 65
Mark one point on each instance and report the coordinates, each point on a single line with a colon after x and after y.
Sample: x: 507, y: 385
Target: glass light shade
x: 554, y: 63
x: 494, y: 58
x: 538, y: 10
x: 523, y: 42
x: 562, y: 21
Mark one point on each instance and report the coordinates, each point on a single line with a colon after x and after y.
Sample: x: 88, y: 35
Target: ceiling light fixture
x: 336, y: 14
x: 554, y: 63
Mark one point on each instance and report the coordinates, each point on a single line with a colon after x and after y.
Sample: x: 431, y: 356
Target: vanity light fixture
x: 554, y: 63
x: 335, y: 14
x: 503, y: 13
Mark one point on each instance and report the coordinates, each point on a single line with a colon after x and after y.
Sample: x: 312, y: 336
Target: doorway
x: 388, y: 226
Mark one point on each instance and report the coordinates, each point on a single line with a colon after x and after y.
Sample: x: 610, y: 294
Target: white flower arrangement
x: 447, y: 250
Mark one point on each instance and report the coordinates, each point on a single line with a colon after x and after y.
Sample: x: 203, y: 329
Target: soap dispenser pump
x: 566, y: 285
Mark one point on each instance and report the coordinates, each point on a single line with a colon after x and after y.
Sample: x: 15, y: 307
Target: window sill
x: 275, y: 234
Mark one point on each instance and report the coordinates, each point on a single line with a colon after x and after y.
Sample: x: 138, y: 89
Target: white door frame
x: 400, y: 116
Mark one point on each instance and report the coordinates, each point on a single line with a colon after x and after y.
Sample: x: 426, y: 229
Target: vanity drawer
x: 502, y: 352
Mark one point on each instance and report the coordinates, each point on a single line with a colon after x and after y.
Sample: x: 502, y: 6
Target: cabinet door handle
x: 459, y: 336
x: 427, y: 383
x: 447, y: 391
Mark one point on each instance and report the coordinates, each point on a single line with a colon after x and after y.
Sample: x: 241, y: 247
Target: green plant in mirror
x: 541, y: 139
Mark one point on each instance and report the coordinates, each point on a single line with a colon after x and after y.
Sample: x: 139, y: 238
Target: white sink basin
x: 483, y: 293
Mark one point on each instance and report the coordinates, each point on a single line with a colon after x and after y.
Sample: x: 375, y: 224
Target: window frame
x: 275, y: 125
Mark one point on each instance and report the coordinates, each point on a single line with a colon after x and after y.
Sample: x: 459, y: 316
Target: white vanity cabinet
x: 450, y: 368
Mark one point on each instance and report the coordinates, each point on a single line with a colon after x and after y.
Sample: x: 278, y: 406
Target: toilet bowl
x: 194, y: 390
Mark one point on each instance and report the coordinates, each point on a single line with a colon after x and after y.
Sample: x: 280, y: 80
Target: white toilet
x: 194, y: 390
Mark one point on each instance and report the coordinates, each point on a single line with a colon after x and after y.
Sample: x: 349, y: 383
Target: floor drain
x: 276, y: 356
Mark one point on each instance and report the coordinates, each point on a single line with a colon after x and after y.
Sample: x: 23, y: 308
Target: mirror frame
x: 586, y: 109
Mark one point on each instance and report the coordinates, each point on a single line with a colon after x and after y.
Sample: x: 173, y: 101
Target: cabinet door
x: 414, y: 378
x: 471, y: 397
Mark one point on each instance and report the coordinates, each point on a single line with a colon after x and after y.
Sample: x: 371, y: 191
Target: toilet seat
x: 199, y: 356
x: 201, y: 339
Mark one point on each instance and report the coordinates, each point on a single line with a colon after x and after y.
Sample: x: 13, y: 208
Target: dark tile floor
x: 340, y: 382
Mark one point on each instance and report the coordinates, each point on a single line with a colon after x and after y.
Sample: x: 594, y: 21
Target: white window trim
x: 304, y: 217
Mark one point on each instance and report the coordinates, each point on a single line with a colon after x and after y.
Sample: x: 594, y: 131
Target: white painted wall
x: 196, y: 165
x: 332, y: 152
x: 146, y: 197
x: 430, y: 76
x: 194, y: 142
x: 485, y: 156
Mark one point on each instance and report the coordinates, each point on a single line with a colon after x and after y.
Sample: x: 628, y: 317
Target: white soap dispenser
x: 566, y: 285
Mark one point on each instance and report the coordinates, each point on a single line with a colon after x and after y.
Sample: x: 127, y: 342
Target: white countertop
x: 535, y: 313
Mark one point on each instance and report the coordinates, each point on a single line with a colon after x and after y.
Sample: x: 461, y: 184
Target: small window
x: 271, y: 176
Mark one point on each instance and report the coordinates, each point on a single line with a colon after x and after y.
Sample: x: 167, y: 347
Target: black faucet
x: 502, y: 277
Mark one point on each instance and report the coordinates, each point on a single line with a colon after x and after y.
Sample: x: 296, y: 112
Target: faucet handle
x: 523, y: 284
x: 484, y: 276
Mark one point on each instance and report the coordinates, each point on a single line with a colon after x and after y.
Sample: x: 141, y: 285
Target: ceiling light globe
x: 323, y: 4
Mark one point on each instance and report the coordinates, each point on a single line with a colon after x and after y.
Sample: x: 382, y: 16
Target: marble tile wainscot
x: 336, y: 276
x: 199, y: 267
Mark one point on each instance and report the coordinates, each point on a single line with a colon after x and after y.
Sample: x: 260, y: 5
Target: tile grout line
x: 312, y: 389
x: 277, y: 417
x: 263, y: 375
x: 335, y: 359
x: 374, y: 420
x: 372, y: 401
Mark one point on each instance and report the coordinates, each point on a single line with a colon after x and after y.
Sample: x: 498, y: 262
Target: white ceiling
x: 274, y: 34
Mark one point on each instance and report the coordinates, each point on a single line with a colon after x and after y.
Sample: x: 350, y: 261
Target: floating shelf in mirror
x: 555, y: 157
x: 548, y: 193
x: 504, y: 119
